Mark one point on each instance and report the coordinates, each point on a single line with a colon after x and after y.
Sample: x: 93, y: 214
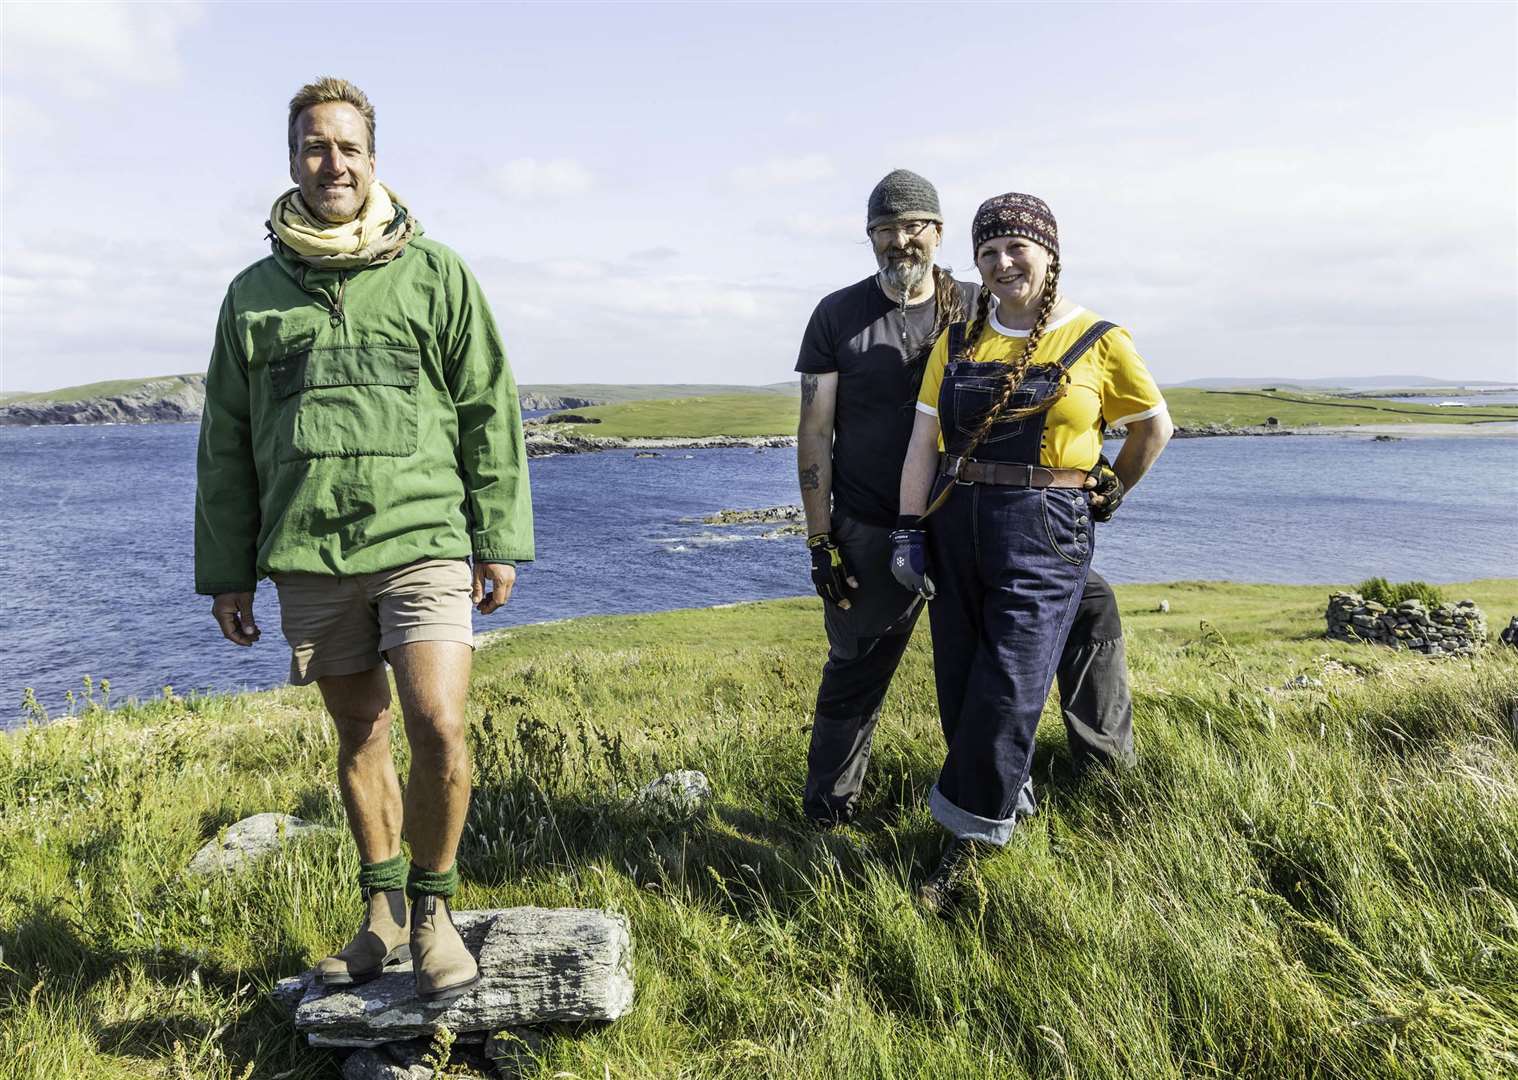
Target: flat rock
x: 288, y: 993
x: 373, y: 1065
x: 243, y: 843
x: 536, y: 964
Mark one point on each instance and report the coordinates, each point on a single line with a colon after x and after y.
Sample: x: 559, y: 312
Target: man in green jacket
x: 361, y: 444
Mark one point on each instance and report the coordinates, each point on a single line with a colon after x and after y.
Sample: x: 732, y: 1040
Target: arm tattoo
x: 808, y: 390
x: 810, y: 481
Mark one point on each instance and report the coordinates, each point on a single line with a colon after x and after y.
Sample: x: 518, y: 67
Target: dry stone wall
x: 1449, y: 629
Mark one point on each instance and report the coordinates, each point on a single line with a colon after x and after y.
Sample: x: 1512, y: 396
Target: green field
x: 1249, y: 408
x: 613, y: 393
x: 1303, y: 883
x: 694, y: 417
x: 732, y: 415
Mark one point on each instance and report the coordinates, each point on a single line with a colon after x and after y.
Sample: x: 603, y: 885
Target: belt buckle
x: 957, y: 463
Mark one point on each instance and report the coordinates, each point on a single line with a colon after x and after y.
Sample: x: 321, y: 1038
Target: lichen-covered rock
x: 536, y: 965
x: 288, y: 993
x: 373, y: 1065
x: 676, y: 796
x: 248, y: 840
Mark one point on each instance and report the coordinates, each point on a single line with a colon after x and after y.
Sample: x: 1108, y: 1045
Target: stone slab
x: 537, y: 965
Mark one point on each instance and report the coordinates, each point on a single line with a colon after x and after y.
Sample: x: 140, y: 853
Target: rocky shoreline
x: 546, y: 442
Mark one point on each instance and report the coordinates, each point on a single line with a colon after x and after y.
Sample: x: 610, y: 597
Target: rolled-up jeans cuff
x: 967, y: 826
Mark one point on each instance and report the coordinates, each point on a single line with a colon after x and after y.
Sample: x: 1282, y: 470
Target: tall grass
x: 1292, y: 883
x: 1381, y: 591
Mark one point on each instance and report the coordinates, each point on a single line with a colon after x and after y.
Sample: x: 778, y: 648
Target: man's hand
x: 502, y: 576
x: 233, y: 612
x: 1106, y: 489
x: 830, y: 574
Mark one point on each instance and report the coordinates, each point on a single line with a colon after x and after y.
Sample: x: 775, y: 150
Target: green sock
x: 442, y: 883
x: 383, y: 876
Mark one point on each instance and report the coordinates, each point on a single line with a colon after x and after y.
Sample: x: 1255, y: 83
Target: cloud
x: 783, y: 171
x: 531, y: 178
x: 658, y: 254
x: 18, y: 116
x: 828, y: 227
x: 82, y: 50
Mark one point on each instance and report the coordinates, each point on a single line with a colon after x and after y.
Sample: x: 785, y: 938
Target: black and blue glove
x: 830, y: 574
x: 909, y: 557
x: 1109, y: 488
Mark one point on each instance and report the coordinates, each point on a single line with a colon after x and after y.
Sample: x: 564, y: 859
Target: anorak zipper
x: 337, y: 317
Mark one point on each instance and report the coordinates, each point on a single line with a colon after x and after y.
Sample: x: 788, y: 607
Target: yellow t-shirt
x: 1109, y: 386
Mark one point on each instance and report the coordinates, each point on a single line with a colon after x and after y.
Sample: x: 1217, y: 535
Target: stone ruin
x: 1446, y: 630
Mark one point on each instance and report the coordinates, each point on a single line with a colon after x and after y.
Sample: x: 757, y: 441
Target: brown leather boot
x: 444, y: 967
x: 381, y: 942
x: 944, y: 889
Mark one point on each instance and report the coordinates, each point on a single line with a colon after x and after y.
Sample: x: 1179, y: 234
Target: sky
x: 662, y: 193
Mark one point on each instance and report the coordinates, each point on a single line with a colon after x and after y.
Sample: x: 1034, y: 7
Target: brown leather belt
x: 970, y: 471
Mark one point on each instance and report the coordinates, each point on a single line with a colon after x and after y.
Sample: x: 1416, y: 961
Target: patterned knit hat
x: 903, y: 196
x: 1014, y: 214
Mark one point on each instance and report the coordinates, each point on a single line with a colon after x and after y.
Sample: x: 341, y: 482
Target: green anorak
x: 357, y: 421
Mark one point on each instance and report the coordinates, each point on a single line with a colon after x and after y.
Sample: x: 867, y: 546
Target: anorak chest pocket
x: 1067, y: 523
x: 347, y: 401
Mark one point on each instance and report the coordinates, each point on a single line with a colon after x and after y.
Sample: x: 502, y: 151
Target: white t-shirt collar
x: 1055, y: 325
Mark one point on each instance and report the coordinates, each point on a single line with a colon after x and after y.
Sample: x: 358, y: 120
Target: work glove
x: 1109, y: 487
x: 909, y: 557
x: 830, y: 574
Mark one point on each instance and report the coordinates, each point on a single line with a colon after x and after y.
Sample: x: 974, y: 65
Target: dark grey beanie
x: 902, y: 194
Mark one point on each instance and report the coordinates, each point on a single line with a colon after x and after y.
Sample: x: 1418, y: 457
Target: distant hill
x: 163, y: 399
x: 1347, y: 382
x: 166, y: 399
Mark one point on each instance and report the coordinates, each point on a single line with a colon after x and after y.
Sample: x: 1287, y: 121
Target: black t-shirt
x: 858, y: 332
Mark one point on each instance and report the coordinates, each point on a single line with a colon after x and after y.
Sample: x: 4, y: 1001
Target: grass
x: 776, y: 415
x: 1317, y: 882
x: 694, y: 417
x: 1249, y: 408
x: 614, y: 393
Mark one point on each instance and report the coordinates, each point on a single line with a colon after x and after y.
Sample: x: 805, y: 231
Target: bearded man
x: 361, y: 444
x: 861, y: 365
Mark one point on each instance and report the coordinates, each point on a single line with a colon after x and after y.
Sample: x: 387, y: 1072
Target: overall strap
x: 1083, y: 344
x: 956, y: 340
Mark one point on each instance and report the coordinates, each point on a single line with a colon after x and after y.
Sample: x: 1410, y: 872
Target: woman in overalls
x: 1007, y: 448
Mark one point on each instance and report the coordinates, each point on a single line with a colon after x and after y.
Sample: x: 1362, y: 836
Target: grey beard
x: 905, y: 276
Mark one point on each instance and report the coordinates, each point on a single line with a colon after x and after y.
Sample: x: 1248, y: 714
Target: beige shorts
x: 344, y: 625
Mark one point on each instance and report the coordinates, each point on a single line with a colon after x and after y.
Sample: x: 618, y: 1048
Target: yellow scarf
x: 379, y: 233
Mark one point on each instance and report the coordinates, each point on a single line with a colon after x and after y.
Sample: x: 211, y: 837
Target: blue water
x: 1493, y: 397
x: 95, y: 539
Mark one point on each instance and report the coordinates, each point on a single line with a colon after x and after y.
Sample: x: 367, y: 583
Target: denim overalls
x: 1010, y: 564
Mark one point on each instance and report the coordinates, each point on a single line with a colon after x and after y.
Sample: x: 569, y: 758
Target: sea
x: 96, y: 540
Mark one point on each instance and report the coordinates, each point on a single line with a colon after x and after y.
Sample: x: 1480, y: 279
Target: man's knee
x: 435, y: 730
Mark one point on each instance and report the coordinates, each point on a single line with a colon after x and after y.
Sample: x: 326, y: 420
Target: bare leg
x: 432, y: 678
x: 360, y: 707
